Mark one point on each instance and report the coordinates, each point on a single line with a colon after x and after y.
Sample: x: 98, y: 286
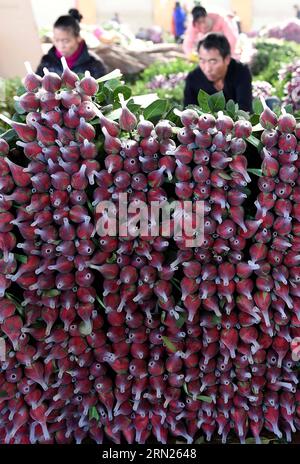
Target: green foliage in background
x: 271, y: 55
x: 173, y: 67
x: 9, y: 88
x: 142, y: 85
x: 175, y: 95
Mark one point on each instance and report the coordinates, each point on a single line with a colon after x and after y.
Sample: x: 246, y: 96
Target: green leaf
x: 254, y: 119
x: 169, y: 344
x: 51, y: 293
x: 100, y: 97
x: 18, y: 107
x: 109, y: 93
x: 195, y: 108
x: 289, y: 108
x: 12, y: 298
x: 256, y: 172
x: 112, y: 259
x: 107, y: 108
x: 216, y: 319
x: 203, y: 98
x: 21, y: 258
x: 264, y: 441
x: 133, y: 107
x: 94, y: 122
x: 186, y: 389
x: 224, y: 175
x: 116, y: 74
x: 254, y: 141
x: 172, y: 116
x: 124, y: 90
x: 163, y: 316
x: 243, y: 115
x: 175, y: 285
x: 217, y: 102
x: 155, y: 110
x: 247, y: 191
x: 9, y: 135
x: 3, y: 394
x: 93, y: 413
x: 111, y: 89
x: 206, y: 399
x: 20, y: 90
x: 19, y: 117
x: 257, y: 106
x: 200, y: 441
x: 16, y: 302
x: 90, y: 206
x: 230, y: 108
x: 250, y: 441
x: 100, y: 301
x: 112, y: 85
x: 114, y: 115
x: 277, y: 110
x: 223, y: 301
x: 145, y: 100
x: 257, y: 127
x: 181, y: 321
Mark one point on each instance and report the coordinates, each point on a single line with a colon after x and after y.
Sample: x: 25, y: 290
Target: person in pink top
x: 202, y: 23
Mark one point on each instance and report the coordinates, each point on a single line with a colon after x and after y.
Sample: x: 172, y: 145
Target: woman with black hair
x: 67, y: 42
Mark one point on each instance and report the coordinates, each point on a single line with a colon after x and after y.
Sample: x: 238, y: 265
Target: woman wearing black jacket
x: 68, y: 43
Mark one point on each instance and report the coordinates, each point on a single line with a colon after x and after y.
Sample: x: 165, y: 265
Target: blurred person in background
x: 116, y: 18
x: 235, y: 17
x: 203, y: 23
x: 178, y: 22
x: 297, y: 11
x: 67, y: 42
x: 218, y: 71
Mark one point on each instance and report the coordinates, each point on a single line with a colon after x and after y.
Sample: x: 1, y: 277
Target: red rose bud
x: 68, y: 77
x: 32, y: 81
x: 224, y: 123
x: 28, y: 102
x: 127, y: 119
x: 286, y: 122
x: 51, y: 82
x: 268, y: 118
x: 88, y: 85
x: 25, y: 132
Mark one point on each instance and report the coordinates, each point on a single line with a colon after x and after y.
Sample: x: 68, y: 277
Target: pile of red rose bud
x: 141, y: 338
